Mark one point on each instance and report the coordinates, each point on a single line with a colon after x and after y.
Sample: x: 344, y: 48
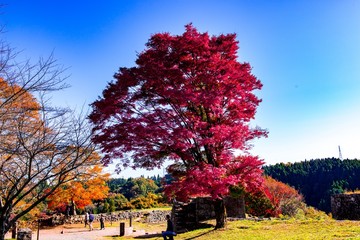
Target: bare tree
x: 41, y: 147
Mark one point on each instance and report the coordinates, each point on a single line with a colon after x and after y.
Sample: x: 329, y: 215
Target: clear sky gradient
x: 306, y: 53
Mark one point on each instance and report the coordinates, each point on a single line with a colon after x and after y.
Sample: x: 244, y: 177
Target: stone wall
x: 145, y: 216
x: 345, y: 206
x: 235, y: 208
x: 188, y: 215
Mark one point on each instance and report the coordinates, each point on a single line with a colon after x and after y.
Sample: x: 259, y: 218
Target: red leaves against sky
x: 187, y: 100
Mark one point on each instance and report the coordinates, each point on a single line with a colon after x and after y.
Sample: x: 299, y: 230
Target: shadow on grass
x: 148, y: 236
x: 158, y: 235
x: 200, y: 235
x: 201, y: 226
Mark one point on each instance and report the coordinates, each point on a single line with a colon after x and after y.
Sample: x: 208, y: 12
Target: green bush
x: 150, y: 201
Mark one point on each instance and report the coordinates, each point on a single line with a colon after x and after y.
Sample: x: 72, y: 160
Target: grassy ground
x: 268, y: 229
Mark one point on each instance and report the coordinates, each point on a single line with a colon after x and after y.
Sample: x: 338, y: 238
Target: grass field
x: 270, y: 229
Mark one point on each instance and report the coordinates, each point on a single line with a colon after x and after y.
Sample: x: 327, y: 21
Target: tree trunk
x: 3, y: 229
x: 73, y: 208
x: 220, y: 213
x: 14, y: 230
x: 5, y: 222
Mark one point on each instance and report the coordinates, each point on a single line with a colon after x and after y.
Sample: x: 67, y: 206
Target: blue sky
x: 306, y: 53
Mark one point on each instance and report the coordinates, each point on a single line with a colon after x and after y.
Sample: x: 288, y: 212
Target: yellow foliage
x: 356, y: 191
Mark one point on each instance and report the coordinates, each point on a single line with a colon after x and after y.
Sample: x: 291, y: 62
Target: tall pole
x: 340, y: 155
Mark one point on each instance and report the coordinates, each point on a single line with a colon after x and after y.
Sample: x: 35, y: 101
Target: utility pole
x: 340, y: 155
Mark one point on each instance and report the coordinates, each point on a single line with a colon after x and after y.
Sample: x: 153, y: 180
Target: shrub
x: 150, y: 201
x: 273, y: 199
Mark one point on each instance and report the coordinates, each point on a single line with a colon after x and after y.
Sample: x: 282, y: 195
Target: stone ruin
x: 187, y: 216
x: 345, y: 206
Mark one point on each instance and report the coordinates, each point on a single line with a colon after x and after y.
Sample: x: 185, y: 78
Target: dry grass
x: 265, y: 230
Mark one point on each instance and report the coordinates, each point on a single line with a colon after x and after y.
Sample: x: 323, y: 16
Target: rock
x: 24, y: 234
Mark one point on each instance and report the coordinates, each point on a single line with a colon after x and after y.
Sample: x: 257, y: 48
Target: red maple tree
x: 190, y: 101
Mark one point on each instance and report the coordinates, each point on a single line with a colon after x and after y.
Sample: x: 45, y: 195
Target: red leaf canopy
x: 190, y: 101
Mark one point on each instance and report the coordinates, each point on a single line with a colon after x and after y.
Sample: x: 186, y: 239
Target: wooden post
x: 122, y: 229
x: 14, y: 230
x: 38, y: 230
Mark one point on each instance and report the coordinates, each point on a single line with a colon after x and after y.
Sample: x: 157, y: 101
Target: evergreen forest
x: 318, y: 179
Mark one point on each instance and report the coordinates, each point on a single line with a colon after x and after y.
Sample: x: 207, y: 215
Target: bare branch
x: 40, y: 145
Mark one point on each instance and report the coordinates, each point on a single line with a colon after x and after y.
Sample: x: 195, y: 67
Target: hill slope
x: 318, y: 179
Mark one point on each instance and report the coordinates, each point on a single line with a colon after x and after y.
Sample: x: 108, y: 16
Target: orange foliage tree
x: 81, y: 191
x: 41, y: 147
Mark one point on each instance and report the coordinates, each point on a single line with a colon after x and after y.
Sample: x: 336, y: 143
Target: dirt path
x: 78, y: 233
x: 74, y: 233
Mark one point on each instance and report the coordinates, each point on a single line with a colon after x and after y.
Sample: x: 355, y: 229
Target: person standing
x: 86, y: 218
x: 91, y: 219
x: 169, y: 230
x: 102, y: 226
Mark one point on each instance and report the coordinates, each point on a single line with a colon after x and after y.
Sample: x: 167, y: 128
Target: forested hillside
x: 132, y: 193
x: 318, y: 179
